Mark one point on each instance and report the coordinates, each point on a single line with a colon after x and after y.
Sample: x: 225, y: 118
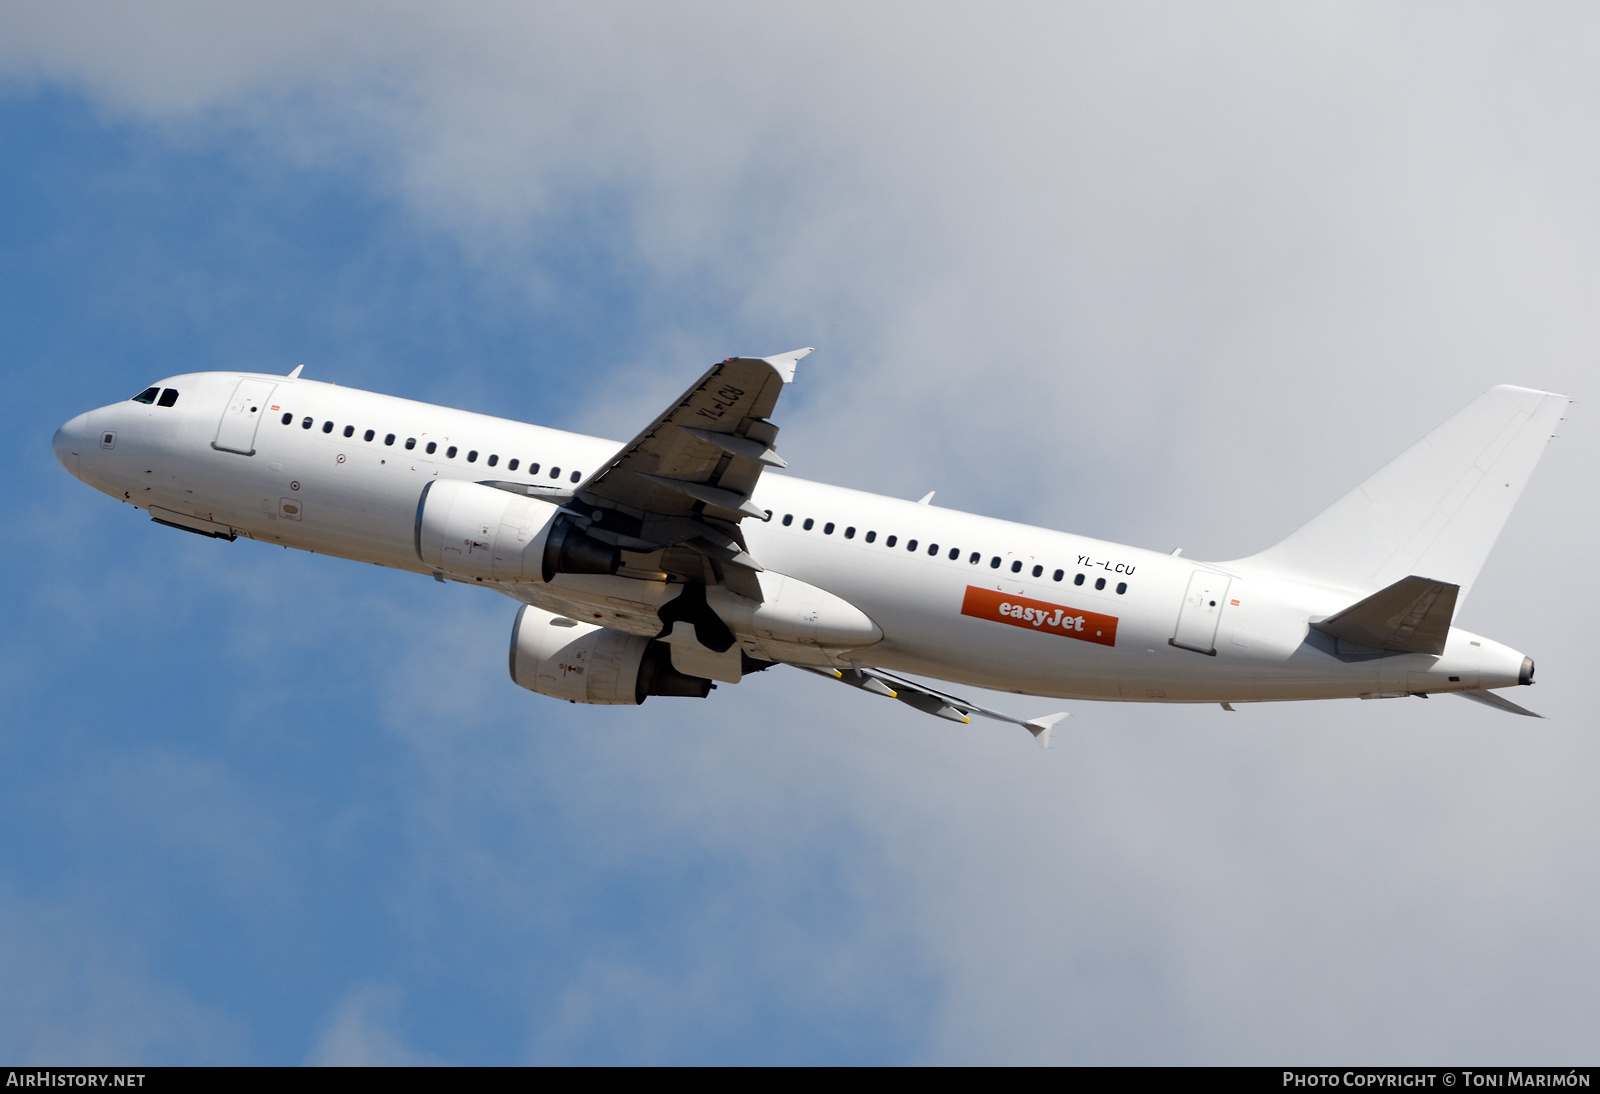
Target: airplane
x: 686, y: 558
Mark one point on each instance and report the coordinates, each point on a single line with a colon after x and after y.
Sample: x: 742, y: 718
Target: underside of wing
x: 678, y: 491
x: 704, y: 455
x: 932, y: 701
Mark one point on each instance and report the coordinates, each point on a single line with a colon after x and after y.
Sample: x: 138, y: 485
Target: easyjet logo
x: 1021, y: 611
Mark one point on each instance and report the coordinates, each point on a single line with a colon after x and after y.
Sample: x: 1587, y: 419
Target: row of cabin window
x: 155, y: 395
x: 432, y: 447
x: 955, y: 553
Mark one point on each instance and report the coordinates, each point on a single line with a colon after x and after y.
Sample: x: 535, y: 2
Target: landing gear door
x: 237, y: 430
x: 1201, y: 611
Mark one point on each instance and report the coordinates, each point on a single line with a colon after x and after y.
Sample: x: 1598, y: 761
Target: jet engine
x: 583, y: 663
x: 476, y: 531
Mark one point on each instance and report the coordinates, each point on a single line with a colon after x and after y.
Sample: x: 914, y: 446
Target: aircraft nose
x: 67, y: 441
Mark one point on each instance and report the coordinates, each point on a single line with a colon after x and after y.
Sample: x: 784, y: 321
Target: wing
x: 930, y: 701
x: 678, y: 491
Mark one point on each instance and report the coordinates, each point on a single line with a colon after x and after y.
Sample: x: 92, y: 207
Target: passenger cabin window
x: 389, y: 439
x: 850, y: 532
x: 433, y: 446
x: 889, y: 542
x: 1037, y: 570
x: 411, y: 442
x: 1016, y: 566
x: 955, y: 553
x: 511, y: 464
x: 450, y: 453
x: 827, y: 529
x: 788, y: 519
x: 1099, y: 583
x: 368, y: 435
x: 555, y: 472
x: 349, y: 431
x: 168, y: 397
x: 994, y: 563
x: 871, y: 536
x: 472, y: 457
x: 975, y: 559
x: 492, y: 460
x: 533, y: 469
x: 327, y: 427
x: 809, y: 524
x: 1122, y: 587
x: 287, y: 418
x: 911, y: 546
x: 1059, y: 574
x: 148, y: 395
x: 1078, y: 580
x: 305, y: 423
x: 576, y: 475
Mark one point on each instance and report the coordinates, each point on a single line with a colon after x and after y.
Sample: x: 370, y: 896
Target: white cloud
x: 359, y: 1033
x: 77, y: 988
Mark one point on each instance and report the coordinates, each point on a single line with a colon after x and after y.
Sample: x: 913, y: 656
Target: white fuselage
x: 320, y: 490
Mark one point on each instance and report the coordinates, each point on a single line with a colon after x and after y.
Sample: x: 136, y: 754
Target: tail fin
x: 1436, y: 510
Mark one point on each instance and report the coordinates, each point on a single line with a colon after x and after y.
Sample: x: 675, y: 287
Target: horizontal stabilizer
x: 1499, y: 702
x: 1412, y: 616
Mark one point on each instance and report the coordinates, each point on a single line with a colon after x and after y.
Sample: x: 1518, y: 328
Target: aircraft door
x: 237, y: 430
x: 1201, y: 611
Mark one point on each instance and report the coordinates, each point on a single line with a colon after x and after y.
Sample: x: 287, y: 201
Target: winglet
x: 1040, y: 727
x: 295, y: 375
x: 785, y: 362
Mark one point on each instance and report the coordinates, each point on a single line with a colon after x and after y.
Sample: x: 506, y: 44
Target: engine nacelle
x: 471, y: 530
x: 583, y: 663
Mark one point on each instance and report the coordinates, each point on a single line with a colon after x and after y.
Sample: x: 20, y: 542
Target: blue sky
x: 229, y: 815
x: 1174, y: 282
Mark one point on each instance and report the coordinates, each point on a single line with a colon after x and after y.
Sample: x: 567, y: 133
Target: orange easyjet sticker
x: 1020, y: 611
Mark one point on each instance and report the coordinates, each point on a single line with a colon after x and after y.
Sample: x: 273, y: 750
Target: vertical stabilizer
x: 1435, y: 510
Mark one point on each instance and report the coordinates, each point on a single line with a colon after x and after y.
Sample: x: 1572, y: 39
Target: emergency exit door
x: 1201, y: 612
x: 237, y: 430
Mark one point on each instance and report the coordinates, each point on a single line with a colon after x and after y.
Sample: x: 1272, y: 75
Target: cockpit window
x: 148, y: 395
x: 168, y: 397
